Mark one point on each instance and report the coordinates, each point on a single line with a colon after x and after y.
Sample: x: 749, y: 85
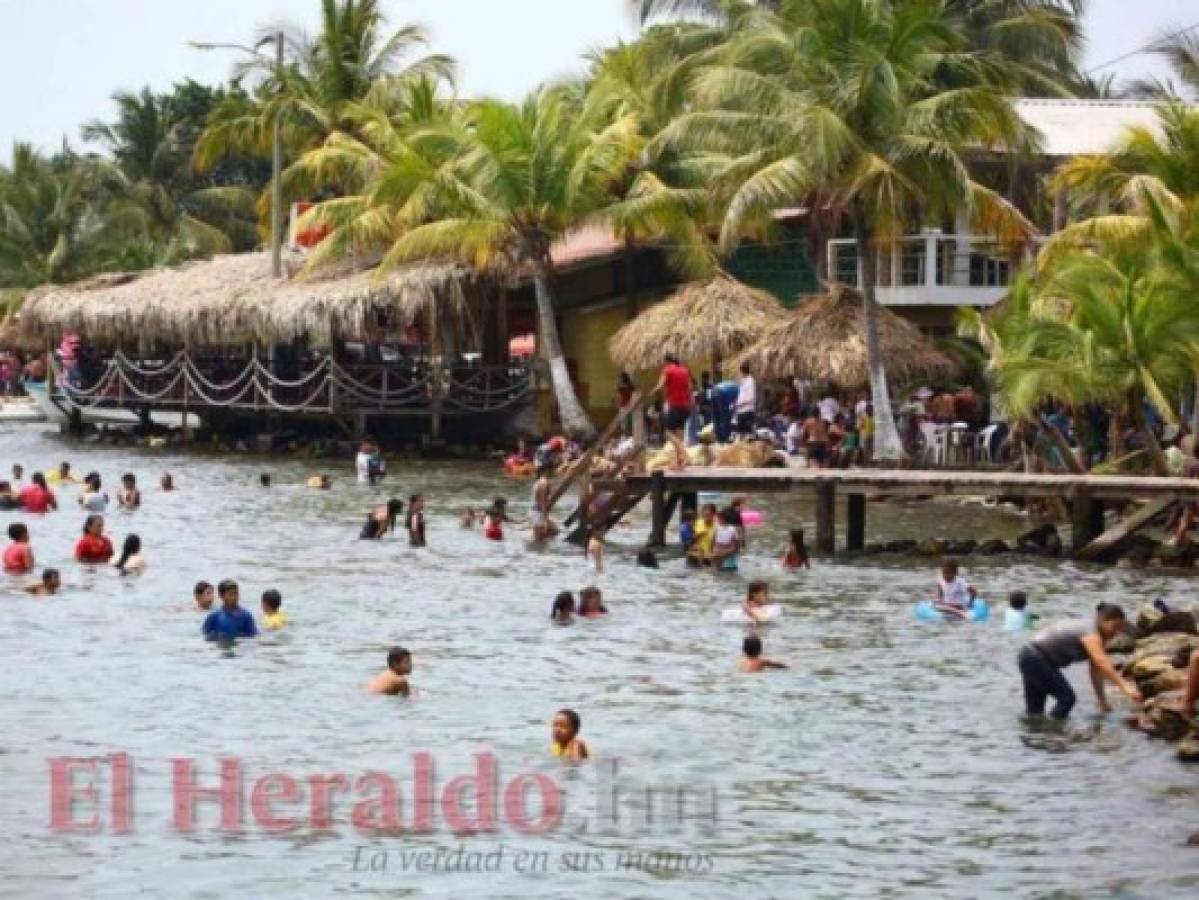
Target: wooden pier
x: 1086, y: 494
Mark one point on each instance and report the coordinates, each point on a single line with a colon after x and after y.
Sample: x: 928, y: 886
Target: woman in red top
x: 18, y: 556
x: 675, y: 385
x: 94, y: 547
x: 36, y: 497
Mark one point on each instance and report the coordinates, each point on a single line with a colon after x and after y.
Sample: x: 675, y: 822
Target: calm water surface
x: 890, y: 761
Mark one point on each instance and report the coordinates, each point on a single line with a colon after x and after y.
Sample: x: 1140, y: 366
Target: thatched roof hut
x: 231, y: 300
x: 825, y: 341
x: 709, y: 320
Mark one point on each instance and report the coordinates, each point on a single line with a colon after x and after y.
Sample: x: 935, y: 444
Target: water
x: 889, y: 761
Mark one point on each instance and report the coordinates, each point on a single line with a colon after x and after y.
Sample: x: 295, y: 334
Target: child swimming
x: 687, y: 530
x: 1017, y: 616
x: 757, y: 596
x: 92, y: 498
x: 131, y: 561
x: 726, y: 544
x: 796, y: 556
x: 48, y: 586
x: 954, y: 595
x: 129, y: 497
x: 18, y: 556
x: 394, y: 679
x: 595, y: 549
x: 204, y: 595
x: 567, y: 743
x: 272, y: 617
x: 700, y: 553
x: 591, y: 603
x: 494, y: 519
x: 752, y: 659
x: 563, y: 610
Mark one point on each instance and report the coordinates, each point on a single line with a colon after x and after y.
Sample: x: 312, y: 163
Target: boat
x: 57, y: 408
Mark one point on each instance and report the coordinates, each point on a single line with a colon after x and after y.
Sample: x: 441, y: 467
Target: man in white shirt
x: 747, y: 403
x: 829, y: 407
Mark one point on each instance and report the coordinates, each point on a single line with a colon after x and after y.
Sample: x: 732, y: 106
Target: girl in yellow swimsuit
x: 567, y: 743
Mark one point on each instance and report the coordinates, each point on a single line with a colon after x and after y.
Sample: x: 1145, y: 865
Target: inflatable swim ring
x: 518, y: 468
x: 926, y: 612
x: 735, y: 615
x: 751, y: 518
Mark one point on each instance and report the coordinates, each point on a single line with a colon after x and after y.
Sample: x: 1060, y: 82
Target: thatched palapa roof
x: 233, y: 299
x: 825, y: 341
x: 708, y: 320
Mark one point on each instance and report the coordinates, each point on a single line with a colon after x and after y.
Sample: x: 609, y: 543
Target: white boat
x: 57, y: 408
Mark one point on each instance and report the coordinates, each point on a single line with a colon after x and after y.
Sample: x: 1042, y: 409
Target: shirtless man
x: 394, y: 679
x: 48, y: 586
x: 539, y: 516
x: 752, y: 659
x: 815, y: 439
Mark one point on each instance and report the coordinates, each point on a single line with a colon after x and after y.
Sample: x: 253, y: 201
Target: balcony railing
x: 932, y: 269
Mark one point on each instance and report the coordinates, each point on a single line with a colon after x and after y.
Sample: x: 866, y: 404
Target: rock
x: 1148, y: 667
x: 1151, y: 621
x: 1038, y: 539
x: 932, y: 547
x: 1188, y: 751
x: 960, y: 548
x: 873, y: 549
x: 1168, y: 722
x: 993, y: 547
x: 900, y: 546
x: 1124, y: 642
x: 1139, y: 550
x: 1173, y: 556
x: 1164, y: 682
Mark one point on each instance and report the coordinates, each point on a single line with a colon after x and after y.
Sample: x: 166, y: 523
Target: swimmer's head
x: 94, y: 525
x: 18, y: 532
x: 128, y: 480
x: 1109, y: 619
x: 399, y: 660
x: 566, y: 726
x: 271, y: 601
x: 92, y: 480
x: 563, y: 608
x: 132, y: 545
x: 51, y: 580
x: 670, y: 359
x: 39, y: 479
x: 708, y: 511
x: 18, y: 471
x: 395, y: 506
x: 949, y: 568
x: 752, y: 646
x: 264, y: 480
x: 646, y: 559
x: 757, y: 592
x: 228, y: 592
x: 591, y: 600
x: 205, y: 594
x: 64, y: 469
x: 167, y: 483
x: 1017, y: 600
x: 797, y: 538
x: 500, y: 502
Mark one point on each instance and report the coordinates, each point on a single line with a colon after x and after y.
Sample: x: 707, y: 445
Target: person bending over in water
x: 1051, y: 649
x: 230, y: 621
x: 94, y: 547
x: 394, y: 679
x: 567, y: 743
x: 48, y: 586
x: 591, y: 603
x: 129, y: 497
x: 273, y: 618
x: 381, y: 520
x: 415, y: 521
x: 18, y: 556
x: 205, y: 595
x: 752, y: 659
x: 796, y: 556
x: 131, y: 561
x: 595, y: 549
x: 954, y: 595
x: 757, y: 596
x: 563, y: 610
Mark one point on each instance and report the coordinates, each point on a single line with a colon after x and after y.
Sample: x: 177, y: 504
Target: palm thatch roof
x: 231, y: 300
x: 825, y: 341
x: 709, y: 320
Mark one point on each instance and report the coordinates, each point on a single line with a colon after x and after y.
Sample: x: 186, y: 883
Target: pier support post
x: 1086, y: 519
x: 826, y: 517
x: 855, y: 525
x: 657, y: 494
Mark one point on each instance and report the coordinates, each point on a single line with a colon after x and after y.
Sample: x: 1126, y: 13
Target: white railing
x: 931, y: 268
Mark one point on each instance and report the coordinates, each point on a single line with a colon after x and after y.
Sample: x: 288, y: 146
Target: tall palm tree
x: 505, y: 187
x: 152, y: 148
x: 1180, y: 49
x: 844, y: 100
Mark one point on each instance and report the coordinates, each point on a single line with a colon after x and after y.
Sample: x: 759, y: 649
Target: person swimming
x: 954, y: 595
x: 204, y: 595
x: 166, y: 483
x: 62, y: 475
x: 647, y: 559
x: 129, y: 497
x: 1017, y: 616
x: 394, y: 679
x: 563, y: 610
x: 725, y: 544
x: 415, y: 521
x: 757, y: 596
x: 752, y: 659
x: 494, y: 519
x: 230, y: 621
x: 591, y: 603
x: 319, y: 482
x: 796, y: 556
x: 264, y: 480
x: 131, y: 560
x: 468, y: 518
x: 92, y: 498
x: 273, y: 618
x: 93, y: 547
x: 381, y: 520
x: 565, y: 731
x: 595, y: 549
x: 18, y: 556
x: 48, y: 586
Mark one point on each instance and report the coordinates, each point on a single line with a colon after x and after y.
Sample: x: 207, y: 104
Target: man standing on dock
x: 675, y: 385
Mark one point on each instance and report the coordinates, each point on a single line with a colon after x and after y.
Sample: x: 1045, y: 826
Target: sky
x: 60, y: 60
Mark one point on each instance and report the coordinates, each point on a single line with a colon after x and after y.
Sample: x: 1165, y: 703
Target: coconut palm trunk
x: 887, y: 443
x: 570, y: 410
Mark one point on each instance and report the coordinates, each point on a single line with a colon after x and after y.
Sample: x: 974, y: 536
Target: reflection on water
x: 891, y: 760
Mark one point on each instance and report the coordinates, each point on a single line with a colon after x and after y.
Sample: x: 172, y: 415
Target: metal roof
x: 1082, y: 127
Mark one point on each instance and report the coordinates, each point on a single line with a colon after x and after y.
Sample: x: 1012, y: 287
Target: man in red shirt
x: 675, y: 385
x: 36, y: 497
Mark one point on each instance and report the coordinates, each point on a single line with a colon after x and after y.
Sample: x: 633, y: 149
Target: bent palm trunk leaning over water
x: 570, y: 410
x: 887, y: 443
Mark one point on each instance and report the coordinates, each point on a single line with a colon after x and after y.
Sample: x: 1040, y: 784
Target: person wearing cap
x: 549, y: 455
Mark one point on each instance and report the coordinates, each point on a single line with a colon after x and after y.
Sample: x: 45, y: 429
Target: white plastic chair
x: 983, y: 447
x: 936, y: 443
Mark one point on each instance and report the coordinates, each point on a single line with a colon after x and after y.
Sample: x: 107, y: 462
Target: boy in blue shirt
x: 230, y: 621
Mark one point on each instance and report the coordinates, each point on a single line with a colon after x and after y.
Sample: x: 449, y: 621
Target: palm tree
x: 352, y: 60
x: 1180, y: 48
x: 513, y: 180
x: 152, y: 148
x: 843, y: 100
